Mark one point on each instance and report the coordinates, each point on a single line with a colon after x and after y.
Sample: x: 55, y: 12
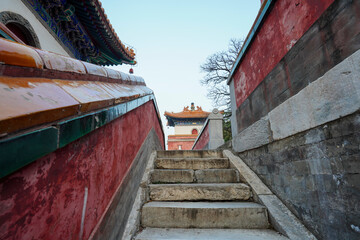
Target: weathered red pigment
x: 44, y: 200
x: 203, y: 139
x: 287, y: 21
x: 185, y: 145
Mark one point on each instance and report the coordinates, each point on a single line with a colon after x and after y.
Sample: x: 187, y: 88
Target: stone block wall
x: 317, y: 175
x: 296, y: 118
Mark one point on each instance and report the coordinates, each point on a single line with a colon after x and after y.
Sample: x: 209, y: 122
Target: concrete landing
x: 208, y: 234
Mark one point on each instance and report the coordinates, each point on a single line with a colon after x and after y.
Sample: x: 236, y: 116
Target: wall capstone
x: 216, y: 138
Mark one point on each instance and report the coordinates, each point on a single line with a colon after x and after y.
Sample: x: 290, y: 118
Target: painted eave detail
x: 95, y: 32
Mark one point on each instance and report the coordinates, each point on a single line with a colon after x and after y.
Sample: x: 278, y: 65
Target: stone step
x: 199, y: 191
x: 189, y: 154
x: 208, y: 234
x: 199, y: 176
x: 192, y: 163
x: 217, y: 176
x: 246, y: 215
x: 172, y: 176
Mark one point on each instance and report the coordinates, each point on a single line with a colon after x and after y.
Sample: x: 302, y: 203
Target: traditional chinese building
x: 187, y: 124
x: 78, y: 29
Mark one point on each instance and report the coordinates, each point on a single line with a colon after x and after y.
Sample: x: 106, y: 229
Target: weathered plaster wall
x: 185, y: 145
x: 286, y: 23
x: 331, y: 39
x: 65, y: 194
x: 114, y: 221
x: 47, y: 41
x: 203, y: 140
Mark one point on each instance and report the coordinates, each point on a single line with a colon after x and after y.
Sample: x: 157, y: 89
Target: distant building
x: 188, y: 124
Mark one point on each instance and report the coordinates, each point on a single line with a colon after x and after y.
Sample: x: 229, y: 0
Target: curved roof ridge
x: 188, y: 113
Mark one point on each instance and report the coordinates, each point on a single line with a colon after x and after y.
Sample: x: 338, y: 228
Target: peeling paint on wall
x: 287, y: 21
x: 45, y: 199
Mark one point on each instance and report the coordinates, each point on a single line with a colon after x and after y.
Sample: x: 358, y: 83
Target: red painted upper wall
x: 185, y: 145
x: 286, y: 22
x: 44, y: 200
x: 203, y: 139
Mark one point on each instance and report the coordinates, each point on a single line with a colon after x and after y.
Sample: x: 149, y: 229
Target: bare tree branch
x: 217, y: 68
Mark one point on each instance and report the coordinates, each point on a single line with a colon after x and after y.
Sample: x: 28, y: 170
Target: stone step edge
x: 200, y: 192
x: 233, y: 215
x: 207, y: 233
x: 201, y: 205
x: 194, y: 164
x: 191, y: 158
x: 192, y: 176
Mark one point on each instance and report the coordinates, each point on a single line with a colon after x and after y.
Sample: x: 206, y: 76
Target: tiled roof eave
x: 104, y: 29
x: 185, y: 115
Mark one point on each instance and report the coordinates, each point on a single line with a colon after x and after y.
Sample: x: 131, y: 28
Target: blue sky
x: 172, y: 38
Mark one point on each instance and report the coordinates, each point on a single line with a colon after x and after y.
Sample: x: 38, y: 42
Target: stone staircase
x: 196, y: 195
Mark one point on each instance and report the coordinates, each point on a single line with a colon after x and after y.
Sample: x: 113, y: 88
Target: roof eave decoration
x: 186, y: 115
x: 82, y: 26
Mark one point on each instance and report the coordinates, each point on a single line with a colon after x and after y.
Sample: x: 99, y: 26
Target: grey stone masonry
x: 280, y: 216
x: 334, y: 95
x: 216, y: 138
x: 214, y: 124
x: 316, y: 173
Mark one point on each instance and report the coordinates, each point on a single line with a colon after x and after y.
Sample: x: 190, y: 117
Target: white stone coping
x: 334, y: 95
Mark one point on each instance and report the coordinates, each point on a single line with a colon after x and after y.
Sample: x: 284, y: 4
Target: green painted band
x: 17, y: 152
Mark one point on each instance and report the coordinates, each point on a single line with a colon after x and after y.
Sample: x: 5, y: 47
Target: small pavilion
x: 187, y: 124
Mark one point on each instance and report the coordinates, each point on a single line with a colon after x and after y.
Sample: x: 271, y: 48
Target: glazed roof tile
x: 38, y: 87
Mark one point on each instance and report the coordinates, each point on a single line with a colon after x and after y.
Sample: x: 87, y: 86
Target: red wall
x: 185, y: 145
x: 203, y: 140
x: 287, y: 21
x: 44, y: 200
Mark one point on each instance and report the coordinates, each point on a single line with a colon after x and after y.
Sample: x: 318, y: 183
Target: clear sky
x: 172, y: 38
